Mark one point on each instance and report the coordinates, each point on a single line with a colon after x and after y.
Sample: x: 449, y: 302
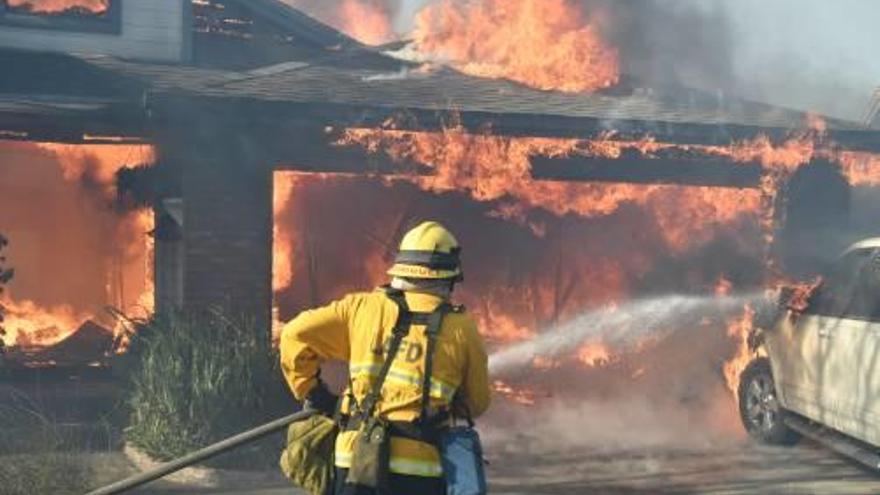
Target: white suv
x: 818, y: 370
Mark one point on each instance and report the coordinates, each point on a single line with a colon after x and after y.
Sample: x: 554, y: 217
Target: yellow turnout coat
x: 357, y: 329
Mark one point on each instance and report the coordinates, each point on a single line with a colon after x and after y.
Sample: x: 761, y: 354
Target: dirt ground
x: 735, y: 469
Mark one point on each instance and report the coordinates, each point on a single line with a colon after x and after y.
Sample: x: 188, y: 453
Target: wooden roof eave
x: 276, y: 118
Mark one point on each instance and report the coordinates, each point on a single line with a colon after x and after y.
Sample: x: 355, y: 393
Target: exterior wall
x: 227, y: 204
x: 149, y: 30
x: 169, y: 255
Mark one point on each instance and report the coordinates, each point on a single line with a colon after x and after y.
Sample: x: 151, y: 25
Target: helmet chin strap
x: 440, y: 287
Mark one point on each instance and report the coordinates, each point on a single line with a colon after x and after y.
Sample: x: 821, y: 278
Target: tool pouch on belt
x: 372, y: 446
x: 372, y: 455
x: 308, y: 459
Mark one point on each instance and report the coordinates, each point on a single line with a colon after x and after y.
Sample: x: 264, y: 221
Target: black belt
x: 428, y: 433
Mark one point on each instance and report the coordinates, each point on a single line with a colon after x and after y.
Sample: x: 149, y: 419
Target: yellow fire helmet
x: 429, y: 251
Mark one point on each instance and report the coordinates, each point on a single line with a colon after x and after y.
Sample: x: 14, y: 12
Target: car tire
x: 759, y: 408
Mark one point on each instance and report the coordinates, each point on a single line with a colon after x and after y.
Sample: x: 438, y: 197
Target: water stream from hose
x: 621, y: 328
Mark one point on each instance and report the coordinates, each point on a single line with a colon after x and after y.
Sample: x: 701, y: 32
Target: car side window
x: 851, y: 290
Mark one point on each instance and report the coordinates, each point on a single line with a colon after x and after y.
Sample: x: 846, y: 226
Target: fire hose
x: 201, y: 455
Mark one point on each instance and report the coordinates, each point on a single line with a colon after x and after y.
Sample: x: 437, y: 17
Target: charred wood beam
x: 686, y: 171
x: 70, y: 120
x: 316, y: 150
x: 167, y: 108
x: 348, y: 159
x: 312, y: 149
x: 68, y: 137
x: 321, y: 155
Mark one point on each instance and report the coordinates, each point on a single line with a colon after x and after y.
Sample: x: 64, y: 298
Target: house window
x: 100, y: 16
x: 70, y: 7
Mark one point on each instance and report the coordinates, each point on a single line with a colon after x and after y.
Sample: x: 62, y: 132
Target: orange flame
x: 282, y: 242
x: 738, y: 330
x: 493, y: 168
x: 27, y: 324
x: 520, y: 396
x: 860, y: 169
x: 723, y: 287
x: 92, y: 167
x: 282, y: 249
x: 546, y: 44
x: 594, y: 355
x: 97, y: 163
x: 366, y: 20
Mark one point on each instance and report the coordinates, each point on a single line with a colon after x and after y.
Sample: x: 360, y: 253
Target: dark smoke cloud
x: 807, y: 54
x: 810, y: 55
x: 670, y: 42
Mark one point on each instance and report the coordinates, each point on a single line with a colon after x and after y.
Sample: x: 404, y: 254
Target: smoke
x: 813, y: 56
x: 627, y: 422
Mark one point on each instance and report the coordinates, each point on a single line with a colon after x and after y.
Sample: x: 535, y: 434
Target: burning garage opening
x: 620, y: 220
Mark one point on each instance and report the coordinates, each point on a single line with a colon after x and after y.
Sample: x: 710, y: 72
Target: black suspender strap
x: 435, y: 320
x: 405, y: 318
x: 401, y: 328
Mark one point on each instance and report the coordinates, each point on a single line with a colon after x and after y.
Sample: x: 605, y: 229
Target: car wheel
x: 759, y: 408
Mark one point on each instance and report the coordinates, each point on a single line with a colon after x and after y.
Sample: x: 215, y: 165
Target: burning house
x: 242, y: 154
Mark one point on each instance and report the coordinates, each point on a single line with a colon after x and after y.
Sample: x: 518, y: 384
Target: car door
x: 794, y: 350
x: 849, y: 388
x: 803, y: 343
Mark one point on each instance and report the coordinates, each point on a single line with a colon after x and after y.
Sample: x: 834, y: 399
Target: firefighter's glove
x: 321, y: 399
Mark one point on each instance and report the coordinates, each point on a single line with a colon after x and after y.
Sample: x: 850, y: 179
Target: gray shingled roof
x: 449, y: 90
x: 352, y: 85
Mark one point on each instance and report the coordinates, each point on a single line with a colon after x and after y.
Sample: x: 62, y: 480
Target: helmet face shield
x: 428, y: 251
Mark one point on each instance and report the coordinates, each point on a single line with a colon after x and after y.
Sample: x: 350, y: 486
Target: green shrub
x: 196, y: 379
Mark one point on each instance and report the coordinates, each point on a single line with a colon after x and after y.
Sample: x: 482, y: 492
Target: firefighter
x: 358, y: 329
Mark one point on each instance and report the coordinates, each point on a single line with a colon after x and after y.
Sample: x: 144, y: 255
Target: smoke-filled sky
x: 818, y: 55
x: 808, y: 53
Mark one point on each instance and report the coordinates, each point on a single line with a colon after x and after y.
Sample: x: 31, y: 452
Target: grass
x: 35, y: 455
x: 196, y: 379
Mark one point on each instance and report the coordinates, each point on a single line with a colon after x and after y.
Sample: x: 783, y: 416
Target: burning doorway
x: 76, y: 250
x: 525, y: 274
